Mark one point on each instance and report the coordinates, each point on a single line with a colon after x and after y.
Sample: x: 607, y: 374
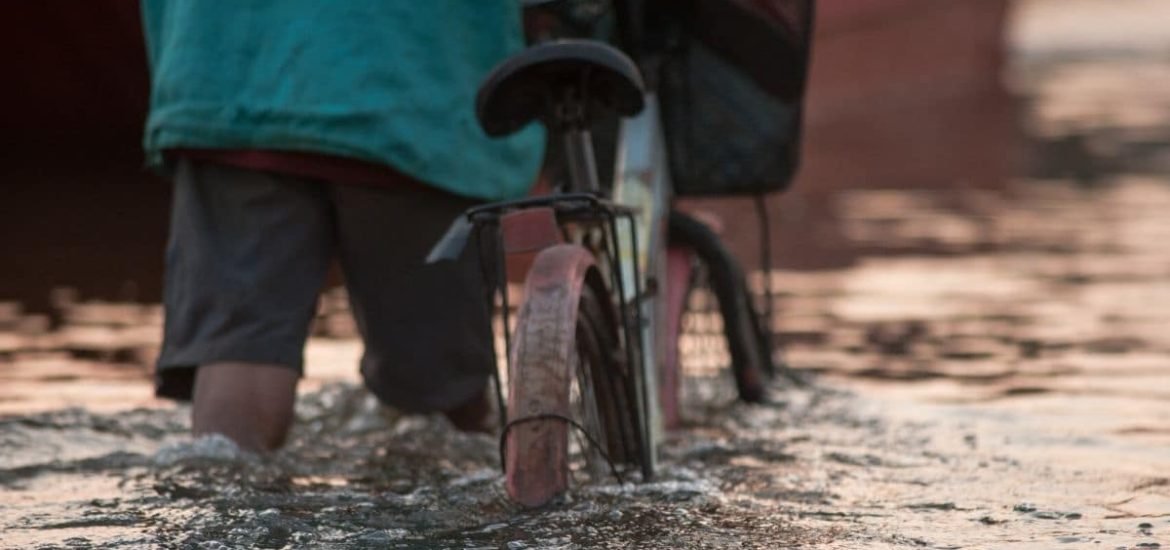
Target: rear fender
x: 540, y: 371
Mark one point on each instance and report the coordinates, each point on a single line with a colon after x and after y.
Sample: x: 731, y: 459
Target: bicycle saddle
x: 565, y: 83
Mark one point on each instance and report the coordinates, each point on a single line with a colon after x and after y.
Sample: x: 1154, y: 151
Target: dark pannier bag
x: 731, y: 85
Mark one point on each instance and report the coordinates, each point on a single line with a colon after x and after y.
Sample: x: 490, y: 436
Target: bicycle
x: 607, y: 271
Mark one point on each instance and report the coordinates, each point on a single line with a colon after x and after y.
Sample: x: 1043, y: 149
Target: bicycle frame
x: 643, y: 185
x: 622, y: 224
x: 630, y: 248
x: 611, y: 237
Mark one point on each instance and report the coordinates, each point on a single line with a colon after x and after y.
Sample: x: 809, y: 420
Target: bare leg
x: 251, y: 404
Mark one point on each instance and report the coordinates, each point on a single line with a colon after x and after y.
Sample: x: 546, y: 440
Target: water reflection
x: 991, y: 359
x: 1011, y: 385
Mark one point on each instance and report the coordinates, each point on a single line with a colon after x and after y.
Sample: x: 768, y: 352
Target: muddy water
x: 994, y: 372
x: 1013, y: 392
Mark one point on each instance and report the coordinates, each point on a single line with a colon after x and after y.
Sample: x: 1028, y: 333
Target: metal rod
x: 634, y: 343
x: 633, y: 355
x: 647, y: 472
x: 582, y: 165
x: 491, y: 290
x: 614, y: 274
x: 621, y: 288
x: 766, y: 269
x: 502, y: 273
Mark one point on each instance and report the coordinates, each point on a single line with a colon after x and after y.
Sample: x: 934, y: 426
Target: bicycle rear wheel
x: 751, y: 359
x: 568, y: 376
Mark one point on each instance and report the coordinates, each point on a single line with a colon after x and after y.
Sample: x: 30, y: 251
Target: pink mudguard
x: 540, y: 365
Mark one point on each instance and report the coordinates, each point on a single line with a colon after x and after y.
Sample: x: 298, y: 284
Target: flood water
x: 992, y: 372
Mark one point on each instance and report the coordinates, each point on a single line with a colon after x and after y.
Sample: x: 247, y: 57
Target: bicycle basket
x: 731, y: 85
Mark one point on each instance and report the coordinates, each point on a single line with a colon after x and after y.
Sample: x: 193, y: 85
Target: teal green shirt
x: 386, y: 81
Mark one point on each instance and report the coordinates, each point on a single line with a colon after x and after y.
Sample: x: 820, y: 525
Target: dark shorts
x: 248, y: 256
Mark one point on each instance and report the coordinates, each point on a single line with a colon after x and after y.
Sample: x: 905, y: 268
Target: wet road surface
x: 1018, y: 398
x: 992, y: 372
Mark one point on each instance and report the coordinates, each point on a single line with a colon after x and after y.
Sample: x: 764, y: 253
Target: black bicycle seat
x: 551, y: 81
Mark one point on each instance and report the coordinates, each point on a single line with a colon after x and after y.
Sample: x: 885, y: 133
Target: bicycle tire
x: 747, y: 344
x: 537, y: 449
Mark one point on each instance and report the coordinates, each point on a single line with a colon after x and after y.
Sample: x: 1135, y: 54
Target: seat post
x: 582, y: 165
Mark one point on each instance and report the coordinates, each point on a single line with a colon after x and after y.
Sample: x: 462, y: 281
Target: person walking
x: 299, y: 132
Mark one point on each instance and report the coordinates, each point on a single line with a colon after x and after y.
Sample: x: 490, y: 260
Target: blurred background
x: 973, y: 261
x: 931, y: 127
x: 905, y: 93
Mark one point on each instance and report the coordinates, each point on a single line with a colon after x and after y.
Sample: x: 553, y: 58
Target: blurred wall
x: 904, y: 93
x: 908, y: 93
x: 76, y: 208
